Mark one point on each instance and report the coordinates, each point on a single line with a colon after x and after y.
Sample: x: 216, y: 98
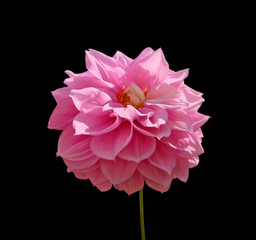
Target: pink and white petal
x: 164, y: 157
x: 89, y: 98
x: 139, y: 148
x: 178, y: 119
x: 150, y: 171
x: 182, y: 169
x: 163, y: 131
x: 198, y: 120
x: 96, y: 122
x: 118, y: 170
x: 157, y: 186
x: 108, y: 145
x: 122, y: 60
x: 75, y: 148
x: 63, y: 114
x: 134, y: 184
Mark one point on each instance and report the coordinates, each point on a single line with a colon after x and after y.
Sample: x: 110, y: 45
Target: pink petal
x: 152, y: 116
x: 154, y: 173
x: 105, y: 186
x: 164, y: 157
x: 108, y: 145
x: 191, y: 97
x: 118, y: 170
x: 179, y: 119
x: 63, y: 114
x: 139, y: 148
x: 98, y: 69
x: 146, y: 70
x: 122, y: 59
x: 176, y: 78
x: 97, y: 177
x: 195, y: 146
x: 178, y: 140
x: 163, y: 131
x: 89, y: 98
x: 80, y: 166
x: 161, y: 93
x: 61, y: 94
x: 76, y: 148
x: 133, y: 184
x: 182, y: 169
x: 84, y: 80
x: 157, y: 186
x: 96, y: 122
x: 82, y: 173
x: 198, y: 120
x: 193, y: 162
x: 107, y: 61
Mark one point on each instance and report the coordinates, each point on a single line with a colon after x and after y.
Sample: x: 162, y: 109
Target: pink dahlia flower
x: 128, y: 122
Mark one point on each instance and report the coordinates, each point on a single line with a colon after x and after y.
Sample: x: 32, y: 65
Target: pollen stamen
x: 132, y: 95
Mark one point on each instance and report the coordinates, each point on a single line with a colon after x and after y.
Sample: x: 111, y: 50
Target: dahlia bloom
x: 128, y: 122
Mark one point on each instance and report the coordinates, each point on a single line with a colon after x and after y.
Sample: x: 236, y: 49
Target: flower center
x: 132, y: 95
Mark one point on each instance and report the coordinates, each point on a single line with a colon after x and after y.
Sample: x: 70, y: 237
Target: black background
x: 55, y: 202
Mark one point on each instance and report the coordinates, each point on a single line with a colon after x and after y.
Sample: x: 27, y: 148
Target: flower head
x: 128, y: 122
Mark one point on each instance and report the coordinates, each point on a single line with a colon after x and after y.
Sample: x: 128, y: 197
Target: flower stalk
x: 142, y: 223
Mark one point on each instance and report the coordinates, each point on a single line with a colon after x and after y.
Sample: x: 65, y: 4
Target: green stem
x: 142, y: 224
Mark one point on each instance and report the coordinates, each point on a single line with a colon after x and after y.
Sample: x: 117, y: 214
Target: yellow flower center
x: 132, y: 95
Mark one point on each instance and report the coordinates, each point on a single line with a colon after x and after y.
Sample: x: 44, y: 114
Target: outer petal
x: 191, y: 97
x: 164, y: 157
x: 76, y: 148
x: 198, y: 120
x: 193, y: 162
x: 97, y: 177
x: 139, y: 148
x: 118, y: 170
x: 133, y: 184
x: 182, y: 169
x: 157, y: 186
x: 176, y: 78
x: 63, y: 114
x: 179, y: 119
x: 108, y: 145
x: 80, y: 167
x: 154, y: 173
x: 61, y: 94
x: 96, y: 122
